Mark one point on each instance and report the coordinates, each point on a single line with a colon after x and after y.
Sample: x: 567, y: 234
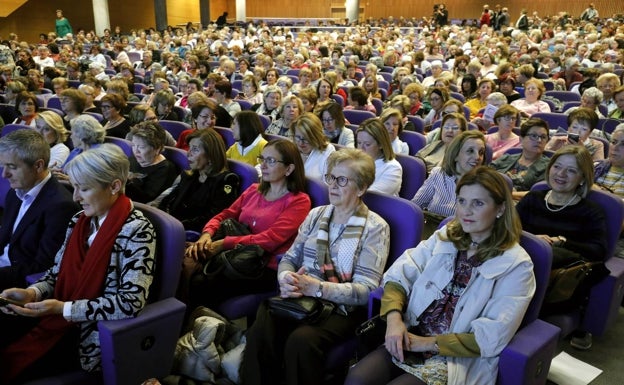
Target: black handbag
x: 305, y: 309
x: 241, y: 262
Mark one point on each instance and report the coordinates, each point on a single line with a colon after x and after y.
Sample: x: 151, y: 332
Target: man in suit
x: 37, y: 208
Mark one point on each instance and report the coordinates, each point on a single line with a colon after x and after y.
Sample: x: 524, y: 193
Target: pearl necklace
x: 560, y: 208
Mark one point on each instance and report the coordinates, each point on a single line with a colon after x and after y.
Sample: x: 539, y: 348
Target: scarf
x: 81, y: 275
x: 349, y: 244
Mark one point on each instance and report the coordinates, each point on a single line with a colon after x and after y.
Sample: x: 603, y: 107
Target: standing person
x: 62, y: 25
x: 590, y: 13
x: 486, y: 16
x: 441, y: 15
x: 36, y: 211
x: 523, y: 21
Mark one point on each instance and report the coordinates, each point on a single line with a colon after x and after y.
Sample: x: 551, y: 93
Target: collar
x: 33, y: 192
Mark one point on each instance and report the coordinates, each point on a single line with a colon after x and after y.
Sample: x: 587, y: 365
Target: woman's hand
x: 421, y: 344
x: 215, y: 247
x: 397, y: 337
x: 20, y: 295
x: 40, y: 309
x: 551, y: 240
x: 289, y: 285
x: 199, y: 250
x: 298, y: 284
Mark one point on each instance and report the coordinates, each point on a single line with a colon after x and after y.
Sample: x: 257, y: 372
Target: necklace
x: 560, y: 208
x: 474, y: 244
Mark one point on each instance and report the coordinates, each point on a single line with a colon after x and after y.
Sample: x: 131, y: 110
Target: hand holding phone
x: 574, y: 138
x: 8, y: 301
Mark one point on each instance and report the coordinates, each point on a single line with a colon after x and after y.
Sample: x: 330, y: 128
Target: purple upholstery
x: 318, y: 192
x: 246, y: 172
x: 175, y: 128
x: 357, y: 116
x: 414, y: 175
x: 378, y: 105
x: 135, y: 349
x: 266, y: 121
x: 124, y: 144
x: 178, y: 157
x: 245, y: 105
x: 564, y: 96
x: 8, y: 128
x: 227, y: 135
x: 555, y: 120
x: 418, y: 122
x: 415, y: 141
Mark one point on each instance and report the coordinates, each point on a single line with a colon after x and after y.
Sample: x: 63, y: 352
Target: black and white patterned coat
x: 126, y: 289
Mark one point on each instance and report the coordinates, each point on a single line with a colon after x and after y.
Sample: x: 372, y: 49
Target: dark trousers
x: 280, y: 349
x: 377, y: 368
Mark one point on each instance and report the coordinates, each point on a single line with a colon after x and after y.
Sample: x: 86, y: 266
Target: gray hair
x: 570, y: 62
x: 28, y: 145
x: 88, y: 129
x: 272, y: 89
x: 496, y: 97
x: 619, y: 128
x: 361, y: 164
x: 595, y: 93
x: 99, y: 167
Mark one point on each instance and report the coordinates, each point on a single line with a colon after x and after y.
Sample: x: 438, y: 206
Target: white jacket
x: 492, y: 305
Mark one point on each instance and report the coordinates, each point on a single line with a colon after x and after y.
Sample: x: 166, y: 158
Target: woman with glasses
x: 26, y: 108
x: 272, y: 210
x: 251, y: 90
x: 290, y: 109
x: 609, y: 173
x: 116, y: 125
x: 581, y: 122
x: 373, y: 138
x: 204, y: 118
x: 338, y: 255
x: 528, y: 166
x: 313, y: 146
x: 531, y: 103
x: 437, y: 97
x: 50, y: 126
x: 334, y: 128
x: 73, y: 103
x: 506, y: 117
x: 452, y: 124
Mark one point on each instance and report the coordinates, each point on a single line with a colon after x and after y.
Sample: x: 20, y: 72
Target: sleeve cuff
x: 67, y: 310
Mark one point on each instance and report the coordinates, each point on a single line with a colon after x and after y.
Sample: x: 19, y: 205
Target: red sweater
x: 273, y: 225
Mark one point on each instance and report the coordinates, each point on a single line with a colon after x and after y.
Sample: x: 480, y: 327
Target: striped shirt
x: 437, y: 194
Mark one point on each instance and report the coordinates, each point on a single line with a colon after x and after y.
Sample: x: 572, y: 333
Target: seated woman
x: 507, y: 118
x: 436, y: 97
x: 581, y: 122
x: 529, y: 166
x: 531, y: 103
x: 415, y: 92
x: 144, y: 113
x: 427, y: 286
x: 591, y: 98
x: 370, y: 85
x: 150, y: 172
x: 313, y: 146
x: 392, y: 120
x: 305, y: 80
x: 163, y: 103
x: 453, y: 123
x: 111, y: 241
x: 451, y: 106
x: 272, y: 99
x: 86, y: 134
x: 27, y: 108
x: 351, y: 270
x: 203, y: 115
x: 247, y: 129
x: 479, y: 101
x: 272, y: 209
x: 574, y: 226
x: 358, y: 100
x: 73, y: 103
x: 309, y: 99
x: 50, y: 126
x: 609, y: 173
x: 285, y: 84
x: 290, y: 109
x: 437, y: 195
x: 113, y: 107
x: 334, y: 125
x: 373, y: 138
x: 207, y: 188
x: 618, y: 97
x: 223, y: 95
x: 250, y: 88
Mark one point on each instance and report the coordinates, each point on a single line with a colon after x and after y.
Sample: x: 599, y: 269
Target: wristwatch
x: 319, y: 291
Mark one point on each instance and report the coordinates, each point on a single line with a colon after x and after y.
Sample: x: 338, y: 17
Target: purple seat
x: 245, y: 105
x: 318, y: 192
x: 414, y: 175
x: 137, y: 348
x: 338, y: 99
x: 247, y: 173
x: 54, y: 102
x: 7, y: 129
x: 178, y: 157
x: 227, y: 135
x: 458, y: 96
x: 418, y: 122
x: 415, y: 141
x: 99, y: 117
x: 378, y: 105
x: 266, y: 121
x: 357, y: 116
x: 564, y: 96
x: 608, y: 124
x: 555, y: 120
x: 124, y: 144
x: 175, y: 128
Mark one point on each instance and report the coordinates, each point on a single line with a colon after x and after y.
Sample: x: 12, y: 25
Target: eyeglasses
x: 270, y: 161
x: 340, y: 180
x: 301, y: 139
x: 536, y: 137
x: 454, y: 128
x: 330, y: 120
x: 508, y: 118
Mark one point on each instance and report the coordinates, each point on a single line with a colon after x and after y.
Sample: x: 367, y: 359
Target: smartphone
x: 8, y: 301
x: 573, y: 137
x: 413, y: 358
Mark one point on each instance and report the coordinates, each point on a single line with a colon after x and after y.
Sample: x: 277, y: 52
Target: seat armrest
x: 32, y: 278
x: 526, y: 359
x: 134, y: 349
x: 374, y: 301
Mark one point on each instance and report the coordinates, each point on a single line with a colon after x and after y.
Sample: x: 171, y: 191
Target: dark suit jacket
x: 39, y: 234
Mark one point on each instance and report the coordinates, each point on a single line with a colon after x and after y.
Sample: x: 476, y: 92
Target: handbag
x: 304, y: 309
x: 370, y: 335
x: 565, y: 280
x: 241, y: 262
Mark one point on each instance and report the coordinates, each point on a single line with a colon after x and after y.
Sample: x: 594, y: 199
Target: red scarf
x: 82, y: 274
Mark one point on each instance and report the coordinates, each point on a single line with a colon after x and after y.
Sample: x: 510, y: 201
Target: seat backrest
x: 378, y: 105
x: 564, y: 96
x: 124, y: 144
x: 404, y: 217
x: 357, y: 116
x: 178, y: 157
x: 5, y: 186
x: 554, y: 119
x: 415, y: 141
x: 541, y: 255
x: 170, y: 239
x: 247, y: 173
x: 338, y: 99
x: 418, y: 122
x: 608, y: 125
x: 245, y: 105
x: 458, y: 96
x: 174, y: 128
x: 227, y: 135
x: 266, y: 121
x: 54, y: 102
x: 414, y: 175
x: 99, y: 117
x: 317, y: 191
x: 567, y: 105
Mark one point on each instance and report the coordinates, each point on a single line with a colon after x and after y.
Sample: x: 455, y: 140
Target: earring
x: 498, y: 216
